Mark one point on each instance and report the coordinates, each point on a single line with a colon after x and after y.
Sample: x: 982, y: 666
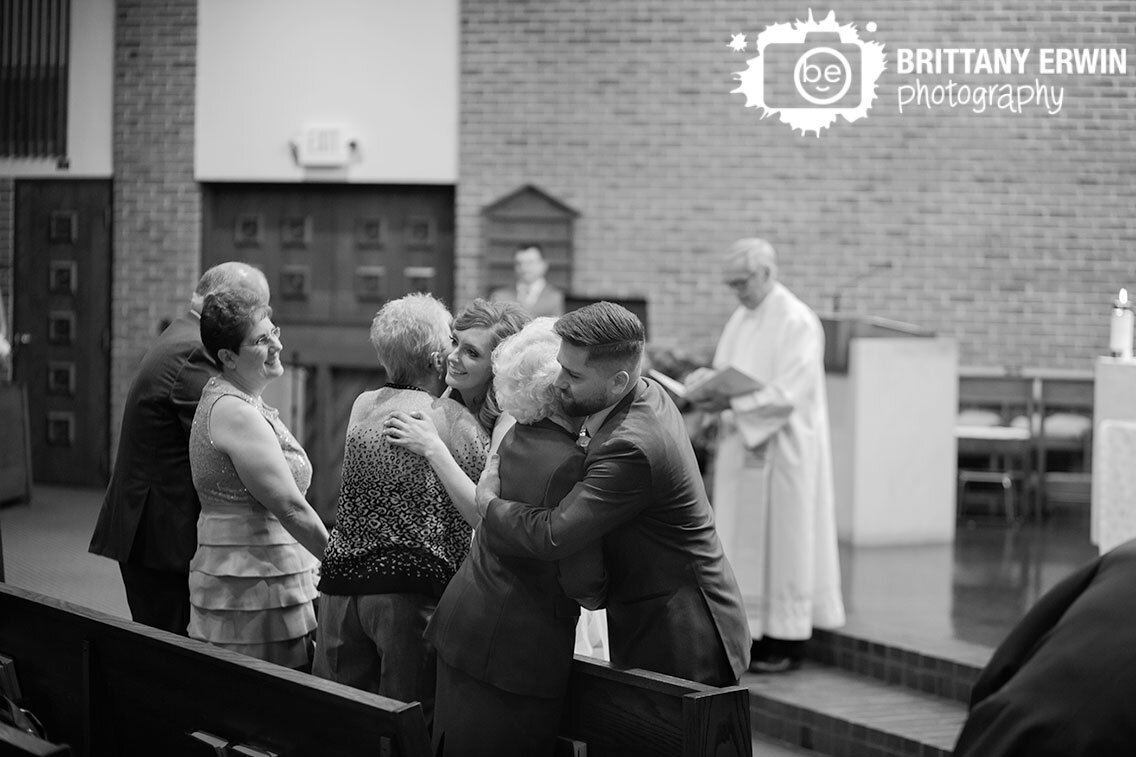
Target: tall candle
x: 1120, y: 333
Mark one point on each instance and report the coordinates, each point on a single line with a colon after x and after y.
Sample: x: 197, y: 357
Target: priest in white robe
x: 772, y: 484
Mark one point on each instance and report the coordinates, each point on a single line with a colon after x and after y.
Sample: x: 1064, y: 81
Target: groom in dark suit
x: 673, y: 605
x: 148, y: 520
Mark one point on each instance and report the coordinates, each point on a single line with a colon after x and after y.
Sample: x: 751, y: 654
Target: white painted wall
x: 386, y: 70
x: 89, y: 99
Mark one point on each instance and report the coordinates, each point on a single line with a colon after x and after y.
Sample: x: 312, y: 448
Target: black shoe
x: 782, y: 664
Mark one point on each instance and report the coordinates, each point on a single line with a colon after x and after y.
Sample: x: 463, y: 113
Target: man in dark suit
x: 673, y: 605
x: 1063, y: 681
x: 148, y: 521
x: 532, y: 291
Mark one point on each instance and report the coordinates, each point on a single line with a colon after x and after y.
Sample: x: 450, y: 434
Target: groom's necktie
x: 584, y: 436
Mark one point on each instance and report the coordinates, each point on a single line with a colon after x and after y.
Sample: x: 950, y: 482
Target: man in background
x: 148, y: 521
x: 532, y: 291
x: 773, y: 495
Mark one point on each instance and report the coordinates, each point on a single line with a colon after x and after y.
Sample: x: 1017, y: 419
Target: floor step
x: 946, y: 669
x: 836, y: 712
x: 764, y: 747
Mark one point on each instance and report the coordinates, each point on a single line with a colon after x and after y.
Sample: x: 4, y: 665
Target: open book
x: 728, y: 381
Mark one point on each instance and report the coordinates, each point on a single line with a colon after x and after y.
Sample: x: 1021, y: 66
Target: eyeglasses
x: 739, y: 283
x: 264, y: 340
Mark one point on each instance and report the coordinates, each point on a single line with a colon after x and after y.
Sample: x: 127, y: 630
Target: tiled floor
x: 45, y: 549
x: 959, y: 597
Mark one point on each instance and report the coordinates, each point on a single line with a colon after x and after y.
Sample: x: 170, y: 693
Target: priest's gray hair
x: 757, y: 254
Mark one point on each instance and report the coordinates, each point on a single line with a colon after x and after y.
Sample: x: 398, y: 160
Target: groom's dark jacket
x: 673, y: 604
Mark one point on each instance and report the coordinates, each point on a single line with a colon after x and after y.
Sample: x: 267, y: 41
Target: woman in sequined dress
x: 251, y: 580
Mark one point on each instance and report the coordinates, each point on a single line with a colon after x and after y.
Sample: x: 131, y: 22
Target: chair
x: 1064, y: 439
x: 994, y: 429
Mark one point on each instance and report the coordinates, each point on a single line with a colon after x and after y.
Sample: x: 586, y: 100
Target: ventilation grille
x: 33, y: 78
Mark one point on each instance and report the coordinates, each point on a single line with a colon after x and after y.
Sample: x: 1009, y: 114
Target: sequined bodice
x: 214, y: 476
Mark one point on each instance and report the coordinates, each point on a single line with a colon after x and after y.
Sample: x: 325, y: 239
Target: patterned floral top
x: 397, y: 530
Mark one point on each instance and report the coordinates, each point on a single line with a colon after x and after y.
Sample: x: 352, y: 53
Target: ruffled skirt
x: 251, y: 587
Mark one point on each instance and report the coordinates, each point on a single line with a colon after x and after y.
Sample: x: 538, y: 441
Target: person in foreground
x: 773, y: 495
x: 148, y: 520
x: 399, y: 537
x: 673, y: 605
x: 1063, y: 682
x: 504, y: 628
x: 251, y: 580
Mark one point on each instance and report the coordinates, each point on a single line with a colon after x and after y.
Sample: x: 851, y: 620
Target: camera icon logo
x: 821, y: 72
x: 812, y: 72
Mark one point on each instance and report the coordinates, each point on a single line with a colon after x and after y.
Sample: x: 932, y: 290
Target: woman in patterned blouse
x: 399, y: 539
x: 478, y: 329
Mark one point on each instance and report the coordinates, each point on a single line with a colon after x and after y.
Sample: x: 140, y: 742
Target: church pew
x: 637, y: 712
x: 104, y: 685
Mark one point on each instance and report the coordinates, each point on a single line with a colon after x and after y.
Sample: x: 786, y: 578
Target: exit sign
x: 326, y: 146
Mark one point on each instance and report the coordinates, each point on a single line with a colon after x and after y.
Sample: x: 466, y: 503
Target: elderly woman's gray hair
x: 408, y: 334
x: 524, y: 370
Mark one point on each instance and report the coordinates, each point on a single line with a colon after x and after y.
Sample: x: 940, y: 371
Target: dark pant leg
x: 397, y: 624
x: 157, y: 598
x: 345, y: 652
x: 475, y: 719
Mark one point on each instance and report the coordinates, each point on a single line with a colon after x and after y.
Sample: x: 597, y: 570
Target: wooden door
x: 333, y: 254
x: 61, y: 326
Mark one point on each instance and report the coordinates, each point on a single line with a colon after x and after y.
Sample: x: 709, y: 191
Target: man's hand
x: 712, y: 403
x: 697, y: 375
x: 488, y: 486
x: 708, y: 402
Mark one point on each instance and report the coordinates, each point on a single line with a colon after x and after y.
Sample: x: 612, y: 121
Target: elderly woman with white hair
x: 398, y: 538
x: 505, y: 627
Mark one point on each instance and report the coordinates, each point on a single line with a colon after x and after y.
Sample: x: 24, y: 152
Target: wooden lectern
x: 892, y: 403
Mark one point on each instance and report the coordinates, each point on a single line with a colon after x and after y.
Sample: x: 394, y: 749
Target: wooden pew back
x: 620, y: 713
x: 104, y: 685
x: 109, y: 686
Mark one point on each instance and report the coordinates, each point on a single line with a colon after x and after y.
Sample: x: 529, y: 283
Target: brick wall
x: 157, y: 204
x: 1010, y: 232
